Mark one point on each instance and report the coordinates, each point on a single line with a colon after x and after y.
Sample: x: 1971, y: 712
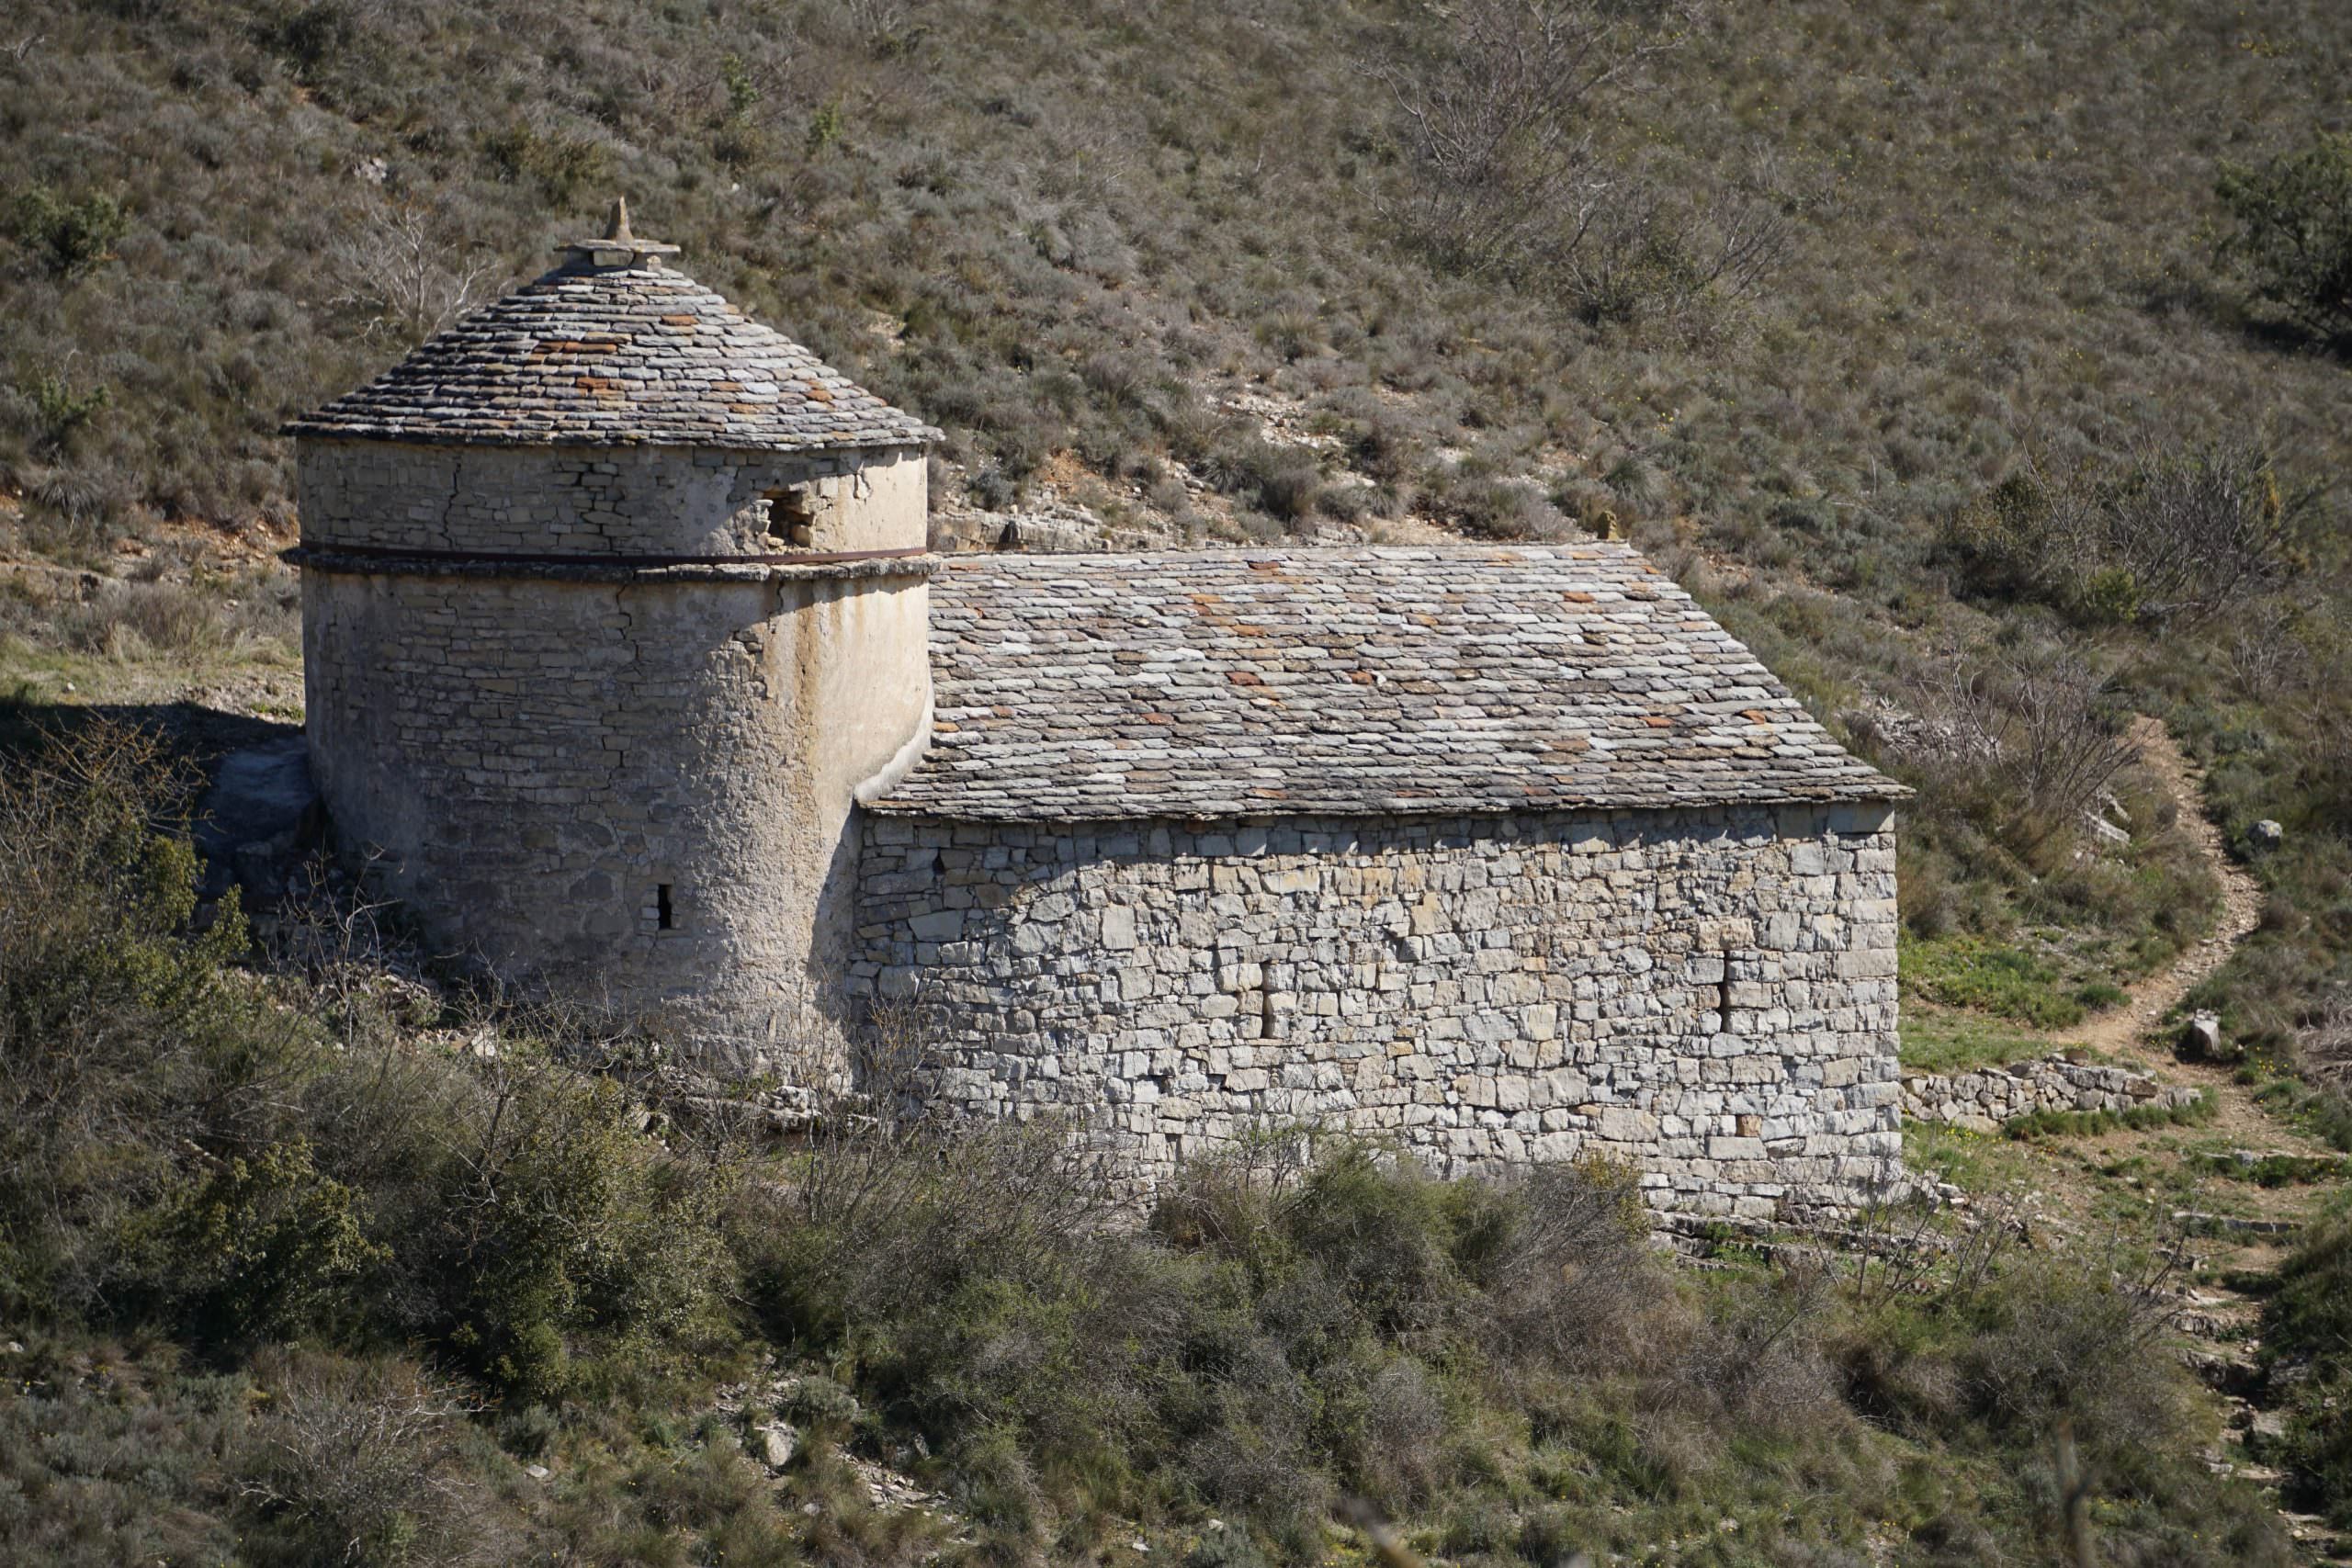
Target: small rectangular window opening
x: 790, y: 521
x: 663, y: 915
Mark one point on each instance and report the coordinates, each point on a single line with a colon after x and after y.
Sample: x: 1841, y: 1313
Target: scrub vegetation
x: 308, y: 1265
x: 1983, y: 368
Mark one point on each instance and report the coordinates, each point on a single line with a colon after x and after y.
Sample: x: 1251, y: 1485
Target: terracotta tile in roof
x: 1379, y: 681
x: 598, y: 355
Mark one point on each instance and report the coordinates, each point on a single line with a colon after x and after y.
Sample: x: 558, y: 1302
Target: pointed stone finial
x: 618, y: 246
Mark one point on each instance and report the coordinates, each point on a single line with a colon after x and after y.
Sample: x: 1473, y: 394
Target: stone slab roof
x: 1375, y: 681
x: 636, y: 354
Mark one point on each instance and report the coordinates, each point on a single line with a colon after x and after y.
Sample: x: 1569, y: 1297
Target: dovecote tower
x: 613, y: 602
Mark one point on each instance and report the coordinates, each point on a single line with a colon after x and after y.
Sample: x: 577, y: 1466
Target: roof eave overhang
x: 922, y: 436
x: 1891, y: 796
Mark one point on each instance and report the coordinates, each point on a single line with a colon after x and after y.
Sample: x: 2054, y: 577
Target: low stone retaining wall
x: 1982, y: 1100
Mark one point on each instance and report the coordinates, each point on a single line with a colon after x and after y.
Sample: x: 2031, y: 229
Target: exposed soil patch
x: 2123, y: 1029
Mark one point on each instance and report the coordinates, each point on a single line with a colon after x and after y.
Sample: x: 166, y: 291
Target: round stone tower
x: 613, y: 603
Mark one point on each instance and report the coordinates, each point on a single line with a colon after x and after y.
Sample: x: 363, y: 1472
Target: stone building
x: 628, y: 667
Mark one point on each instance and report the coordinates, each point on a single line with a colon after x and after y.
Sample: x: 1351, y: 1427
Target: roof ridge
x: 1593, y: 549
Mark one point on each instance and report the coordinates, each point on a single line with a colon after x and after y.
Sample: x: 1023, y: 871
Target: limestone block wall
x: 1711, y: 994
x: 605, y: 501
x: 622, y: 779
x: 637, y: 791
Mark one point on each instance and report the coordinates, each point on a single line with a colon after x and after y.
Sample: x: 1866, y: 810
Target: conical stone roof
x: 615, y: 349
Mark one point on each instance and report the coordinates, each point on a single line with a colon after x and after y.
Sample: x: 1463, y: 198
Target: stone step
x: 2235, y: 1375
x: 2309, y: 1529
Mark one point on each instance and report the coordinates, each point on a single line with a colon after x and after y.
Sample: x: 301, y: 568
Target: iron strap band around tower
x: 323, y: 554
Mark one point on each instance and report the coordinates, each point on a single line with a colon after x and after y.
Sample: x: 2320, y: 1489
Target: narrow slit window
x: 790, y: 519
x: 663, y: 916
x: 1723, y: 1003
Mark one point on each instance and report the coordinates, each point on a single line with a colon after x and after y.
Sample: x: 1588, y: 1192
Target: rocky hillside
x: 1932, y: 345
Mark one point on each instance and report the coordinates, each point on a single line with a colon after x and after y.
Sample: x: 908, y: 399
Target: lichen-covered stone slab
x: 1232, y: 683
x: 615, y: 356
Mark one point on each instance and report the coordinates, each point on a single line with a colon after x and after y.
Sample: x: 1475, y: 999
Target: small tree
x: 2293, y: 218
x: 408, y: 275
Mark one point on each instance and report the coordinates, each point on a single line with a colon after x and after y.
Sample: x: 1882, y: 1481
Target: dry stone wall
x: 1980, y: 1101
x: 1708, y: 994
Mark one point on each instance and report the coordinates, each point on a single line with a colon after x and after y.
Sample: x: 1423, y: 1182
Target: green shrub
x: 134, y: 1057
x: 562, y: 167
x: 2090, y: 1124
x: 2276, y: 1169
x: 548, y: 1218
x: 59, y: 411
x: 2099, y: 995
x: 2293, y: 219
x: 326, y: 40
x: 2307, y: 1324
x: 1947, y: 1042
x: 70, y: 239
x: 259, y: 1249
x: 173, y: 1141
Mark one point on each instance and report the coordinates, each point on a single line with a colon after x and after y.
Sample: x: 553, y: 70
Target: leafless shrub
x: 1405, y: 1422
x: 1574, y: 1275
x: 2033, y: 731
x: 1655, y: 252
x: 2195, y: 532
x: 888, y: 28
x: 359, y: 1462
x: 1496, y: 130
x: 409, y: 268
x: 1017, y: 1195
x: 888, y: 1191
x: 1754, y: 1355
x: 2325, y: 1044
x: 2161, y: 536
x: 2263, y: 664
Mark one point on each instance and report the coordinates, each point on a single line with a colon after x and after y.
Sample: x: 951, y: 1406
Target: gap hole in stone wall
x: 791, y: 520
x: 663, y: 915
